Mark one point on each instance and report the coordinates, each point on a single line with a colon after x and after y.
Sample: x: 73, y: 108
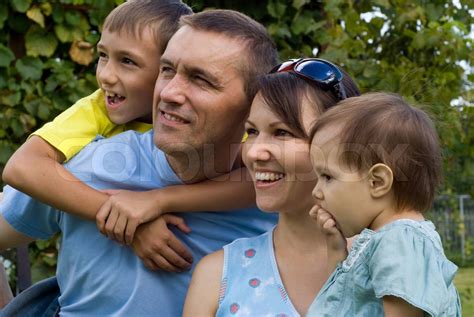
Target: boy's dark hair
x: 284, y: 93
x: 383, y: 128
x: 261, y: 50
x: 162, y: 16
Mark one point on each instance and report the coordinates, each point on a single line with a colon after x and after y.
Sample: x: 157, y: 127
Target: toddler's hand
x: 124, y: 211
x: 336, y: 243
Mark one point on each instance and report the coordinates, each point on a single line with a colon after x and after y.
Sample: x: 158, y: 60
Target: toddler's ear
x: 380, y: 179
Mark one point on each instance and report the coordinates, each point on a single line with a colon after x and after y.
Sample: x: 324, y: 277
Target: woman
x: 280, y: 272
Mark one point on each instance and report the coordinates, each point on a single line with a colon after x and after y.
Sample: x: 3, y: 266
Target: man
x: 202, y: 95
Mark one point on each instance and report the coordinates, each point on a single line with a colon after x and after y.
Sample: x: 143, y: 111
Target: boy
x: 134, y: 36
x: 378, y: 163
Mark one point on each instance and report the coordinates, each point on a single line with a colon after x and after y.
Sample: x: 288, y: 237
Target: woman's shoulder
x: 245, y: 243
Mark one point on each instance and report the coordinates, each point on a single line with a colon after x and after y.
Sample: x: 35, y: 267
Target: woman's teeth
x: 268, y: 176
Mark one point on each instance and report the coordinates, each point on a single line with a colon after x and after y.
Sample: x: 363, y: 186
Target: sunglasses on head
x: 325, y: 74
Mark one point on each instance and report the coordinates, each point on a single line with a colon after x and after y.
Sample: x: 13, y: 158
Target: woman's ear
x: 380, y: 179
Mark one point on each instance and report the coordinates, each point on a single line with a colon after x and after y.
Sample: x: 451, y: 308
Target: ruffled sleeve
x: 407, y: 263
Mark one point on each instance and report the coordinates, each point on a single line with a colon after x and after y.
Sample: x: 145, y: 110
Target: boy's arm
x: 126, y: 210
x: 36, y: 169
x: 203, y: 293
x: 395, y: 306
x: 9, y: 237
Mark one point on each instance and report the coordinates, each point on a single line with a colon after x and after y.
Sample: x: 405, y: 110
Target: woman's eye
x: 251, y: 131
x: 281, y: 132
x: 102, y: 55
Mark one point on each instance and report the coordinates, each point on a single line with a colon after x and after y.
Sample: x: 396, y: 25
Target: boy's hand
x: 336, y: 243
x: 158, y: 247
x: 124, y: 211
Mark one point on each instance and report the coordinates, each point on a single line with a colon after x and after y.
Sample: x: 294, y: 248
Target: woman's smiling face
x: 278, y: 160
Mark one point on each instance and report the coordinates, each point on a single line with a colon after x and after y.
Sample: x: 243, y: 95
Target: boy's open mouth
x: 114, y: 99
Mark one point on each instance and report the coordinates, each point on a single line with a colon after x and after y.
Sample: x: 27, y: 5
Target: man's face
x: 199, y: 95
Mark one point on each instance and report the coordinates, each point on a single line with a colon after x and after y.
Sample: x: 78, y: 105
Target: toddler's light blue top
x: 251, y: 284
x: 404, y: 259
x: 99, y: 277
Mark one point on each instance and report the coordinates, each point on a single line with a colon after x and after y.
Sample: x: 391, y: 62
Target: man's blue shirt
x: 99, y: 277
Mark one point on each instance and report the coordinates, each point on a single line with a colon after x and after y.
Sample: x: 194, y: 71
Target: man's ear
x: 380, y: 179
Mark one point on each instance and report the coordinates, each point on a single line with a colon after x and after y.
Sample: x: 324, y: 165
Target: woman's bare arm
x: 203, y: 293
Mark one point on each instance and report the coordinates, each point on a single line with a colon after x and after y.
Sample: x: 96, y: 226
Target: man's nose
x: 172, y: 91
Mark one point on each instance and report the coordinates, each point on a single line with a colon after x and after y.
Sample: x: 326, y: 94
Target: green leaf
x: 30, y: 68
x: 39, y: 41
x: 17, y: 127
x: 67, y: 33
x: 74, y: 18
x: 3, y: 13
x: 3, y: 82
x: 20, y: 5
x: 419, y: 41
x: 297, y: 4
x: 19, y: 23
x: 6, y: 150
x: 276, y: 9
x: 44, y: 111
x: 11, y: 99
x: 32, y: 106
x: 6, y: 56
x: 302, y: 24
x: 382, y: 3
x: 36, y: 15
x: 434, y: 12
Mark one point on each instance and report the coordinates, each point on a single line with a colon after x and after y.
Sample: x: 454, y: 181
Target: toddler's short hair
x: 383, y: 128
x: 162, y: 16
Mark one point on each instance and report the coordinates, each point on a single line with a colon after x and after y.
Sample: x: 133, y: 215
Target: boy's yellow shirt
x: 77, y: 126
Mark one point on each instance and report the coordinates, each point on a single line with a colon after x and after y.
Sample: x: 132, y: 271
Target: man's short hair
x: 383, y: 128
x: 162, y: 16
x: 262, y: 55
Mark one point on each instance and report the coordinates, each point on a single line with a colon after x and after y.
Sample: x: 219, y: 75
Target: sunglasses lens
x: 319, y: 71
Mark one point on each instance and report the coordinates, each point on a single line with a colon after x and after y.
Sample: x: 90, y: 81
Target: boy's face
x: 340, y: 190
x: 199, y: 94
x: 126, y: 71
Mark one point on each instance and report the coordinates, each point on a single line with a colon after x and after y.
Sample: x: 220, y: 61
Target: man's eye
x: 202, y: 80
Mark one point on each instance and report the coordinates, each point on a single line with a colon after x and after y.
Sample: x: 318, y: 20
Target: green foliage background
x: 410, y: 47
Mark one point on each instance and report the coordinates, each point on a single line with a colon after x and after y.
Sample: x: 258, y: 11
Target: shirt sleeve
x: 407, y: 264
x: 74, y: 128
x: 29, y: 216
